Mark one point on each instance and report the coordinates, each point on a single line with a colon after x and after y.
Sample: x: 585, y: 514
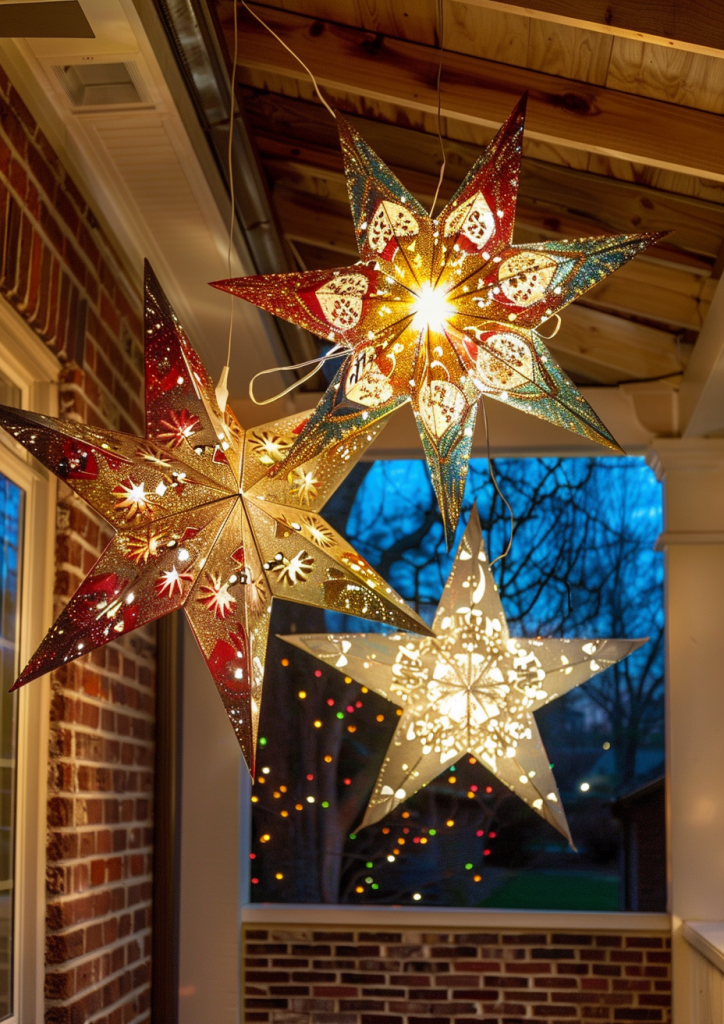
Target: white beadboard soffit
x: 145, y: 167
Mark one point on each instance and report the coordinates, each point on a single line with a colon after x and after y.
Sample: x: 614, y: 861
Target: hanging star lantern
x: 200, y: 525
x: 470, y: 688
x: 439, y: 312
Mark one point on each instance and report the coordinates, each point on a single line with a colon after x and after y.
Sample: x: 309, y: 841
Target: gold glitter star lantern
x: 470, y: 688
x: 439, y: 312
x: 199, y: 524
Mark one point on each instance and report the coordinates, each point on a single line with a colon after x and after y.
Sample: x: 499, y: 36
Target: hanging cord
x: 318, y: 363
x: 549, y: 337
x: 494, y: 480
x: 441, y: 22
x: 222, y: 388
x: 289, y: 50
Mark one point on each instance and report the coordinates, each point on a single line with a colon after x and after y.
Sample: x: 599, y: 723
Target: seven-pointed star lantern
x: 439, y: 312
x: 471, y: 688
x: 200, y: 525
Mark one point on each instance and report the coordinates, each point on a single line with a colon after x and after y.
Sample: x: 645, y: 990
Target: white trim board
x: 708, y: 938
x: 450, y: 918
x: 32, y: 368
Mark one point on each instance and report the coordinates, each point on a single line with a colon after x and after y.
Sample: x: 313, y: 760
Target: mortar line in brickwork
x: 66, y: 967
x: 97, y: 954
x: 105, y: 733
x: 104, y: 1012
x: 126, y: 944
x: 59, y: 222
x: 67, y: 186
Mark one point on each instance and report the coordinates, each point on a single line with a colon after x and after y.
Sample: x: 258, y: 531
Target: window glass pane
x: 582, y: 564
x: 11, y: 521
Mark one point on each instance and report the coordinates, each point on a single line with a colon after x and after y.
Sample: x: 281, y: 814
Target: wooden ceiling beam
x: 683, y: 24
x: 312, y: 206
x: 320, y: 173
x: 295, y: 130
x: 560, y: 111
x: 633, y: 350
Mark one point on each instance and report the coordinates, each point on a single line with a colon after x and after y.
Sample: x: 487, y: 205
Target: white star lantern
x: 471, y: 688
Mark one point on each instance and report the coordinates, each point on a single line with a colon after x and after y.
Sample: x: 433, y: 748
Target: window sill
x: 707, y: 937
x: 449, y: 917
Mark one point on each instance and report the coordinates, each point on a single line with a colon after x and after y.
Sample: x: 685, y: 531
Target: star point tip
x: 223, y: 285
x: 370, y: 817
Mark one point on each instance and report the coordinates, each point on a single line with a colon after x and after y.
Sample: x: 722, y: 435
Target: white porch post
x: 692, y: 471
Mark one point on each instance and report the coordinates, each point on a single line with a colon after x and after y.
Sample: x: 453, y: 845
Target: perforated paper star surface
x: 471, y: 688
x: 439, y: 312
x: 200, y: 525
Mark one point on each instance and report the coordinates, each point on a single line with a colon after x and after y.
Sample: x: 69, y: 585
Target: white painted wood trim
x: 670, y: 537
x: 29, y: 364
x: 708, y: 938
x: 449, y: 918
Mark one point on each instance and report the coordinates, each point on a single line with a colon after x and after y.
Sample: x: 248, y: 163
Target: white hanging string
x: 441, y: 23
x: 337, y: 349
x: 548, y: 337
x: 222, y: 388
x: 318, y: 363
x: 494, y: 479
x: 222, y: 391
x: 491, y: 468
x: 290, y: 50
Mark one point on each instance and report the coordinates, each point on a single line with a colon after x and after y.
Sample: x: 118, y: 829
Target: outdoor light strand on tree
x: 470, y: 688
x: 439, y: 312
x: 200, y: 525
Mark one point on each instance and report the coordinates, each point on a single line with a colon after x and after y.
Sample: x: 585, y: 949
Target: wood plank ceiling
x: 624, y: 133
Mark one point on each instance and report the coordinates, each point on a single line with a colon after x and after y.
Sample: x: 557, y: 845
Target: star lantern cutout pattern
x: 200, y: 525
x: 469, y: 689
x: 441, y: 312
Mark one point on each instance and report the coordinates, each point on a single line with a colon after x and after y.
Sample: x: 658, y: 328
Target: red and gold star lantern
x: 441, y: 312
x: 200, y: 525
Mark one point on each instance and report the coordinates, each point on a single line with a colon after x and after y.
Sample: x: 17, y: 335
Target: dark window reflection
x: 582, y: 564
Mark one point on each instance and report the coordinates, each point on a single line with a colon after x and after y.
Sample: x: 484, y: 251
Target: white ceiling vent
x: 102, y: 85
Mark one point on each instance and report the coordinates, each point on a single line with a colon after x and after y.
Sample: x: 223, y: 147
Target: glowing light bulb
x: 431, y: 308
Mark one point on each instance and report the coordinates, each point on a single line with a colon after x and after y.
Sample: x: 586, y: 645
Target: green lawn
x: 556, y: 890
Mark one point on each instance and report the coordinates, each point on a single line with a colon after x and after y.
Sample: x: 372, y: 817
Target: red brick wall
x: 63, y: 277
x: 296, y: 975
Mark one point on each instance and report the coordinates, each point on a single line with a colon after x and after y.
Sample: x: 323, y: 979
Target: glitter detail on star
x: 470, y: 688
x: 441, y: 312
x: 200, y: 525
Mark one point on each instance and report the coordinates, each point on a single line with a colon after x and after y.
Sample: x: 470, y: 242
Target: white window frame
x: 33, y: 369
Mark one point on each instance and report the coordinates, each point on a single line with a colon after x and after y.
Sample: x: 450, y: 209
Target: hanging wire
x: 290, y: 50
x: 222, y: 388
x: 494, y: 480
x: 335, y: 351
x: 317, y: 363
x: 441, y: 23
x: 549, y: 337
